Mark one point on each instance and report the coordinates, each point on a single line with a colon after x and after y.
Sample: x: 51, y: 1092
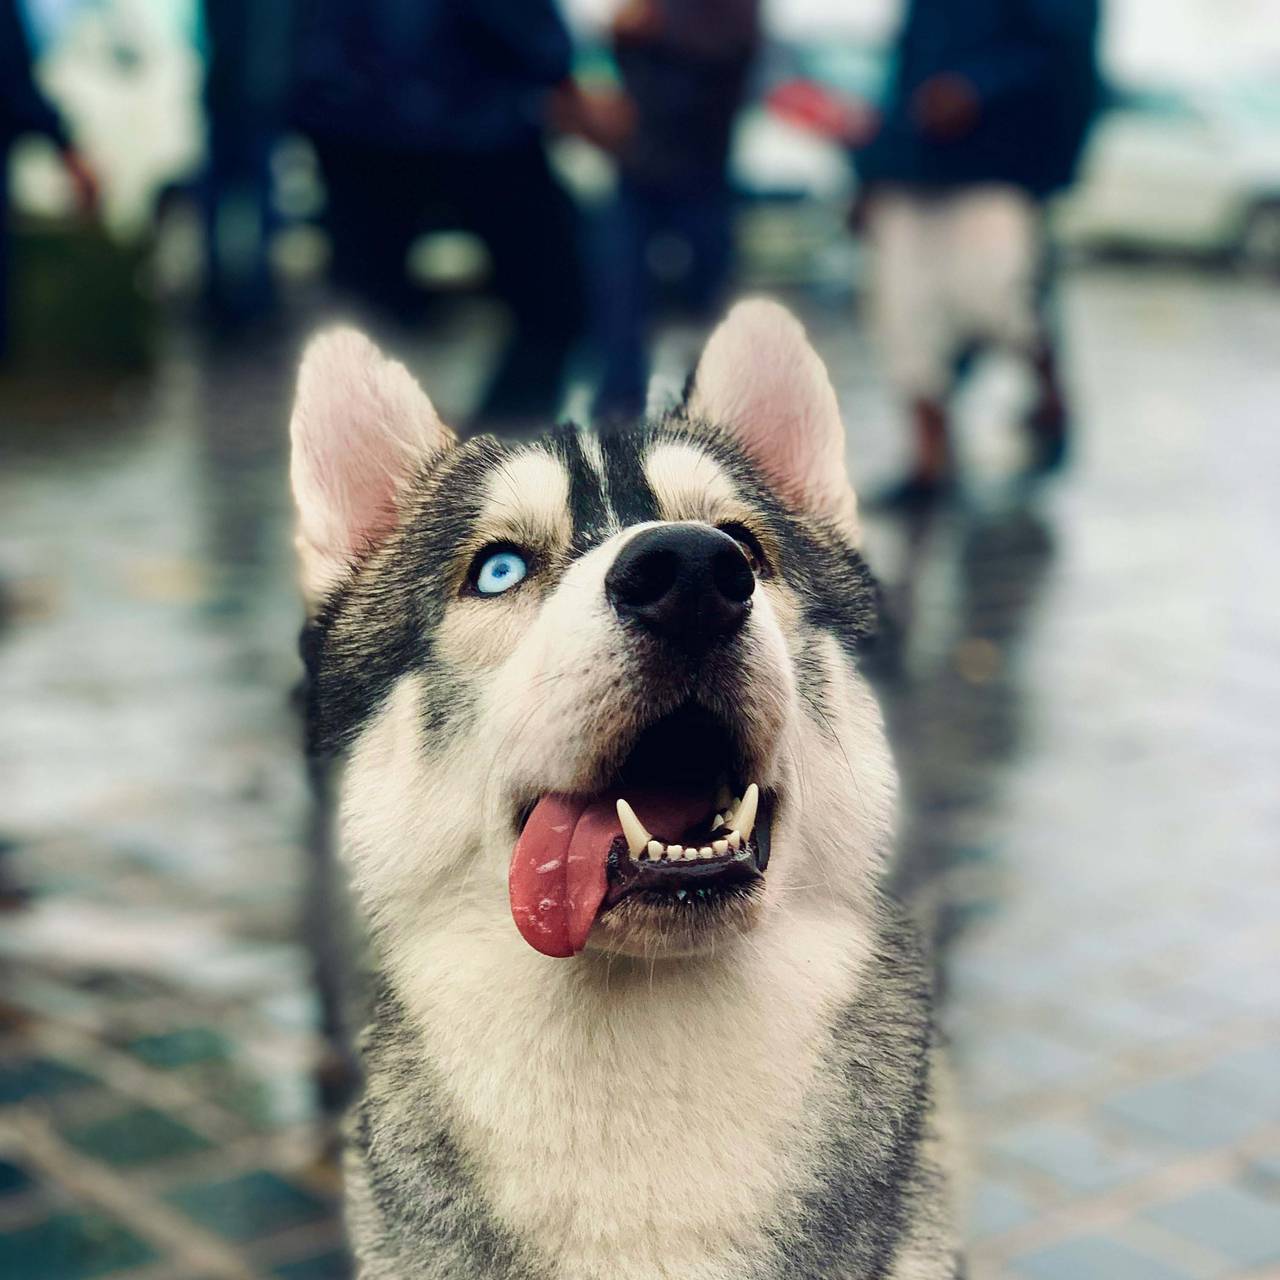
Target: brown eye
x: 750, y: 545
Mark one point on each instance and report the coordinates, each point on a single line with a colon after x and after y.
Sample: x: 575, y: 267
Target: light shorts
x: 951, y: 269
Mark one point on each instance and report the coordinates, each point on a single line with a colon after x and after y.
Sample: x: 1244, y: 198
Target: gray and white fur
x: 745, y: 1094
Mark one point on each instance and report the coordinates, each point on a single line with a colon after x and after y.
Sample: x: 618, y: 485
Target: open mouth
x: 679, y: 829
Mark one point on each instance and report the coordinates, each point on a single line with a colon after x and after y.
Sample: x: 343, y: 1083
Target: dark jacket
x: 687, y: 83
x: 429, y: 75
x: 23, y: 108
x: 1033, y: 64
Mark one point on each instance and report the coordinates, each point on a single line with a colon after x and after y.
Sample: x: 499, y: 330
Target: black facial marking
x: 630, y: 494
x: 588, y: 508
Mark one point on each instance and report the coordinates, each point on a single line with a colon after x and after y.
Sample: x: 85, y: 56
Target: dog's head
x: 606, y: 685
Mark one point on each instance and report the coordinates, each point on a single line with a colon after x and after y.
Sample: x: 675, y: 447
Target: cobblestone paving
x: 1086, y: 697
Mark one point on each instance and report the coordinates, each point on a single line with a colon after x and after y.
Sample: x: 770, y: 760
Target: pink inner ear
x: 760, y: 378
x: 362, y: 427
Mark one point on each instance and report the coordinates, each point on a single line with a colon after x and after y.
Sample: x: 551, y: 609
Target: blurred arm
x: 23, y: 108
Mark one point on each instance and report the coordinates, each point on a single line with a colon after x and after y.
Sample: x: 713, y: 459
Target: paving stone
x: 1077, y: 1155
x: 1187, y: 1110
x: 14, y: 1179
x: 1093, y: 1258
x: 181, y: 1048
x: 332, y: 1265
x: 998, y: 1206
x: 71, y: 1247
x: 1008, y: 1062
x: 249, y: 1205
x: 1231, y: 1220
x: 137, y: 1137
x: 38, y: 1078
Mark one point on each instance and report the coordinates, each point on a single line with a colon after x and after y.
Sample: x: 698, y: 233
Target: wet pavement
x: 1086, y: 697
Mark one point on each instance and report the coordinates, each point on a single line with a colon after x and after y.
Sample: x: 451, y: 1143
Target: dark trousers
x: 380, y: 200
x: 700, y: 224
x: 6, y: 302
x: 236, y: 205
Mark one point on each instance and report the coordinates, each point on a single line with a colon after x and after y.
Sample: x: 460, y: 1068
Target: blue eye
x: 500, y: 572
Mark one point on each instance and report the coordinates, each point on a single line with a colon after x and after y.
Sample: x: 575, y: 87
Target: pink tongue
x: 559, y: 871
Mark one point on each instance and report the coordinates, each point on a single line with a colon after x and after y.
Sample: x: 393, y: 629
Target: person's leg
x: 370, y: 223
x: 5, y: 301
x: 915, y: 335
x: 622, y: 295
x: 534, y: 248
x: 1048, y: 422
x: 706, y: 222
x: 1002, y: 291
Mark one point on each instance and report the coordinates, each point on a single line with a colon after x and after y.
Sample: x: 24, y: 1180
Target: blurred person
x: 24, y: 109
x: 684, y: 66
x: 428, y: 112
x: 246, y: 87
x: 986, y: 119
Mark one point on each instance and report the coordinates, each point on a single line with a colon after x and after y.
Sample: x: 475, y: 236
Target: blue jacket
x: 451, y: 75
x: 23, y: 108
x: 1033, y: 64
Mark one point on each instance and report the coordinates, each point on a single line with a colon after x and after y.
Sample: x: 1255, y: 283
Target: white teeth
x: 734, y: 841
x: 690, y: 853
x: 655, y: 850
x: 718, y: 822
x: 632, y: 828
x: 720, y: 846
x: 675, y: 851
x: 745, y: 818
x: 705, y: 852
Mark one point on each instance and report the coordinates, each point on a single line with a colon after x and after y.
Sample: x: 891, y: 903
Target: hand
x: 604, y: 117
x: 84, y: 182
x: 638, y: 20
x: 946, y: 107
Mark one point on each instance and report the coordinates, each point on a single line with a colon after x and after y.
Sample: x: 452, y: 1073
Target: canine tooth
x: 734, y: 840
x: 655, y: 850
x: 675, y: 851
x: 720, y: 846
x: 632, y: 828
x: 745, y: 818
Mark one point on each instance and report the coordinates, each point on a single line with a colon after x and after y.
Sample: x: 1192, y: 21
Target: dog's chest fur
x: 730, y: 1123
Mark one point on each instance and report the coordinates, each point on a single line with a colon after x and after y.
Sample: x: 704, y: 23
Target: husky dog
x: 615, y: 801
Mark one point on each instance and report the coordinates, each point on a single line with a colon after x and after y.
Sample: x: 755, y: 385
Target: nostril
x: 732, y: 575
x: 648, y: 577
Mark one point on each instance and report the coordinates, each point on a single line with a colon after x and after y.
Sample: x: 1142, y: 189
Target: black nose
x: 688, y: 583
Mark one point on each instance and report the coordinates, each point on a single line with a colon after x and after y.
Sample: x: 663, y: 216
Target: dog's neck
x: 686, y: 1087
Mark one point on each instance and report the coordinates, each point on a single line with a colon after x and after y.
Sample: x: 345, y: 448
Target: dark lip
x: 676, y: 882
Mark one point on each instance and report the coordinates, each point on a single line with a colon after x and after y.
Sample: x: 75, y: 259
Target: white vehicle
x: 1183, y: 171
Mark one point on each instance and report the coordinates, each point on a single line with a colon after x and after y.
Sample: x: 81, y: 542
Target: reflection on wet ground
x: 1084, y: 689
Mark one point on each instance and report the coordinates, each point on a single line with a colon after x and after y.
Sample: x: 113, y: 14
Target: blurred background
x: 1039, y: 248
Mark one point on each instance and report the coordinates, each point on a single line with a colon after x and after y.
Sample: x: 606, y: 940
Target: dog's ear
x: 759, y: 378
x: 361, y: 429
